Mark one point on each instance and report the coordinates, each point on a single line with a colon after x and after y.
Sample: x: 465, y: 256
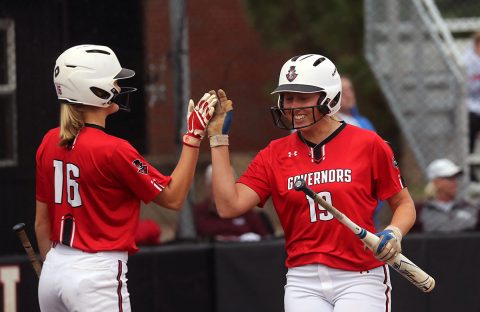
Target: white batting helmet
x: 85, y: 74
x: 310, y: 73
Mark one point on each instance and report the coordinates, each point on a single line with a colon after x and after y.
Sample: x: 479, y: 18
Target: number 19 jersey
x: 352, y: 169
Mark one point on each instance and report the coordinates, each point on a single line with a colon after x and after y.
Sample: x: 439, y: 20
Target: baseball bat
x: 22, y: 235
x: 400, y: 263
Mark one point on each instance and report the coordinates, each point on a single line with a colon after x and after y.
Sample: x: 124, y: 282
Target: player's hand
x: 198, y: 117
x: 389, y: 245
x: 220, y: 123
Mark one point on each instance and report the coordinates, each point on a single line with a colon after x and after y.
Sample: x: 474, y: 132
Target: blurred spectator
x: 251, y: 226
x: 444, y: 211
x: 350, y: 114
x: 148, y: 233
x: 348, y: 110
x: 471, y: 60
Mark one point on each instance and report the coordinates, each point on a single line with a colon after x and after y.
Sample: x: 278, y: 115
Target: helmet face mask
x: 122, y: 99
x: 284, y: 117
x: 88, y: 75
x: 310, y: 73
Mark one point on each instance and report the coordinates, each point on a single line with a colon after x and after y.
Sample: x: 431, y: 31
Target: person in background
x: 89, y: 184
x: 352, y: 168
x: 349, y: 111
x: 471, y: 61
x: 444, y: 211
x: 148, y: 233
x: 251, y: 226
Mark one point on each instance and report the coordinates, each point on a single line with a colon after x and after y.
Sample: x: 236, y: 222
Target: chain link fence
x: 416, y: 49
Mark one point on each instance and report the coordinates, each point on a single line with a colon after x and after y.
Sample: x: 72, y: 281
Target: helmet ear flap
x: 100, y: 93
x: 326, y: 108
x: 336, y: 99
x: 323, y: 107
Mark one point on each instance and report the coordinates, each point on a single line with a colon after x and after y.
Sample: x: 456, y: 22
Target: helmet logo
x: 292, y: 74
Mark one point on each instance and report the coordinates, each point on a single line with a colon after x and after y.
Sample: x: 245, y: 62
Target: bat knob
x: 299, y: 184
x: 18, y: 227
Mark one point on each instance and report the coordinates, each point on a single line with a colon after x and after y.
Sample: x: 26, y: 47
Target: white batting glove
x: 198, y: 117
x: 389, y: 245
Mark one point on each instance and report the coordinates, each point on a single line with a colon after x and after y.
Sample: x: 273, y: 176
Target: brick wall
x: 225, y: 52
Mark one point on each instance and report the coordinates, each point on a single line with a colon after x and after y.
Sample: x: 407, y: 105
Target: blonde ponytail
x: 71, y: 122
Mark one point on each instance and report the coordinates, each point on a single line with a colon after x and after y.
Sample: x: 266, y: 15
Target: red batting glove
x: 198, y: 117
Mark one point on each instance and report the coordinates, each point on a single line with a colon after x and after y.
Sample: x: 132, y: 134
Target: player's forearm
x: 404, y: 214
x: 42, y: 228
x: 42, y: 232
x: 404, y: 218
x: 223, y: 183
x: 44, y: 243
x: 176, y: 192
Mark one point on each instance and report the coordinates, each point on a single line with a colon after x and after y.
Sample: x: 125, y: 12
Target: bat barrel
x: 412, y: 273
x: 401, y: 264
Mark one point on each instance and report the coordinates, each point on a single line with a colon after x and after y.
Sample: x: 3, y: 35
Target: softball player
x: 328, y: 267
x: 89, y: 185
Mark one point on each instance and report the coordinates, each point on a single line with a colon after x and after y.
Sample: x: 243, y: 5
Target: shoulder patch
x: 394, y: 162
x: 142, y: 168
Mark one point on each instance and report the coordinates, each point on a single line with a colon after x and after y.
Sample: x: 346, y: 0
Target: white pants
x: 318, y: 288
x: 73, y: 280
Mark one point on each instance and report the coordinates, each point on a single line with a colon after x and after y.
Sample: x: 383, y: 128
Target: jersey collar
x: 95, y: 126
x: 328, y: 139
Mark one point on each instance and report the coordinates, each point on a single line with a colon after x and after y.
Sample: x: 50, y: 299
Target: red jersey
x: 356, y: 169
x: 93, y: 190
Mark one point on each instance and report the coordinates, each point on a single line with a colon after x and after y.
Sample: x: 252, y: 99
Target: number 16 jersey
x: 93, y: 190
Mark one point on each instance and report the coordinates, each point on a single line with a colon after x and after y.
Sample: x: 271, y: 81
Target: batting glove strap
x: 191, y: 141
x: 391, y: 234
x: 218, y: 140
x: 396, y: 231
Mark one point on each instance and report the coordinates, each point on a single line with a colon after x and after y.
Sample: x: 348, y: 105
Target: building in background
x: 224, y: 52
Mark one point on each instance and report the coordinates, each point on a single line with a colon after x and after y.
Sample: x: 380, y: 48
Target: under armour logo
x: 294, y: 153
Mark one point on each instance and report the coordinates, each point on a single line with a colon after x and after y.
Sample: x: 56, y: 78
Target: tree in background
x: 335, y: 29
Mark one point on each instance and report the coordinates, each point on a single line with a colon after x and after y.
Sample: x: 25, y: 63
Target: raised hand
x: 220, y: 124
x: 198, y: 117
